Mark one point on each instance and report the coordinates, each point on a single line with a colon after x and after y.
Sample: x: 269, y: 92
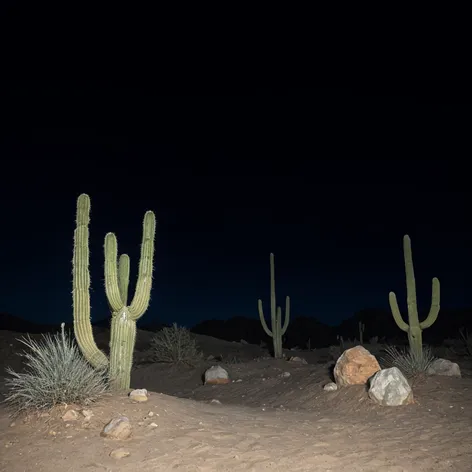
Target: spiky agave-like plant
x: 124, y: 317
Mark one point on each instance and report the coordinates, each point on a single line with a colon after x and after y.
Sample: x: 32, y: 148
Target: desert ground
x: 264, y: 419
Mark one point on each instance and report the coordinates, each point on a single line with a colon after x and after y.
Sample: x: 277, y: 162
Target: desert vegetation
x: 133, y: 391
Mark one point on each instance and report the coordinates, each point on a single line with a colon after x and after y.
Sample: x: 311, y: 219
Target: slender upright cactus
x: 276, y: 315
x: 415, y: 327
x: 361, y: 332
x: 124, y: 317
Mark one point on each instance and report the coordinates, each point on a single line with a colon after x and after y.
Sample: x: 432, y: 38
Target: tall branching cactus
x: 415, y: 327
x: 276, y: 315
x: 124, y: 317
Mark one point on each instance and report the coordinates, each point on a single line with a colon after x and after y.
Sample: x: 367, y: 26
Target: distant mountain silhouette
x: 14, y: 323
x: 302, y: 330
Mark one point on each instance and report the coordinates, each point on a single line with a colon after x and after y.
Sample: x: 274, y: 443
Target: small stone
x: 152, y: 425
x: 216, y: 401
x: 12, y: 424
x: 117, y: 428
x: 330, y: 387
x: 298, y: 359
x: 87, y: 414
x: 150, y: 414
x: 139, y: 395
x: 70, y: 415
x: 119, y: 453
x: 285, y: 375
x: 216, y: 375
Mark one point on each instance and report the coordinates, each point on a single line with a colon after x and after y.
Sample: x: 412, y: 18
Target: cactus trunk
x: 124, y: 317
x: 122, y: 341
x: 415, y: 328
x: 276, y: 315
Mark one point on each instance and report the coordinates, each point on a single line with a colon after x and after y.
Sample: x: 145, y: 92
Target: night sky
x: 329, y: 180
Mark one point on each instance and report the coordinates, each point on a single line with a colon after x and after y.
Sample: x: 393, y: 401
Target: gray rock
x: 389, y: 387
x: 444, y: 367
x: 117, y: 428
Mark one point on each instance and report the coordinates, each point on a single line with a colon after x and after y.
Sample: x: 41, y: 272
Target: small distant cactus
x: 124, y: 317
x: 361, y: 332
x: 415, y: 327
x: 276, y: 315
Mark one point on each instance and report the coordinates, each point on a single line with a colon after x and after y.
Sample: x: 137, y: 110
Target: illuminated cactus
x: 124, y: 317
x: 415, y: 327
x: 276, y: 315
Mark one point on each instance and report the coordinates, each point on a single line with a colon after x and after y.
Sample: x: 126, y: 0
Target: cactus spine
x: 124, y: 317
x: 276, y: 315
x: 415, y: 327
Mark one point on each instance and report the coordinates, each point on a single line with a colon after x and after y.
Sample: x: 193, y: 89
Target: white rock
x: 389, y: 387
x: 298, y: 359
x: 330, y: 387
x: 216, y: 375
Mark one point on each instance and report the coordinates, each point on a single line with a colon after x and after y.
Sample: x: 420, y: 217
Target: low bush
x: 176, y: 345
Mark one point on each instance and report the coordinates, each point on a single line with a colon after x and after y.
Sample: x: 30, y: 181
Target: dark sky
x: 329, y: 180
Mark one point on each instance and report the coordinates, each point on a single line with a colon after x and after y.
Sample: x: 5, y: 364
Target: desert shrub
x: 55, y: 372
x: 409, y: 362
x: 175, y: 345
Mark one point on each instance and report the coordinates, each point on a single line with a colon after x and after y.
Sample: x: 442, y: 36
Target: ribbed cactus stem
x: 142, y: 295
x: 123, y: 277
x: 81, y: 286
x: 122, y: 341
x: 123, y: 324
x: 414, y: 328
x: 278, y: 330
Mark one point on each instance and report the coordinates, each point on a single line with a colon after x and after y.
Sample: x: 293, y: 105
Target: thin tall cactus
x: 276, y: 315
x: 124, y: 317
x: 415, y: 327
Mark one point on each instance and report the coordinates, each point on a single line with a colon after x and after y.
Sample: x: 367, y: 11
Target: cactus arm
x: 81, y: 286
x: 287, y: 316
x: 142, y: 295
x: 263, y: 321
x: 392, y: 298
x: 123, y: 277
x: 112, y: 288
x: 435, y: 306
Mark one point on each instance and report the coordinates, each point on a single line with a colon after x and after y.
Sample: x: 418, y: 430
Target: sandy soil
x: 263, y: 420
